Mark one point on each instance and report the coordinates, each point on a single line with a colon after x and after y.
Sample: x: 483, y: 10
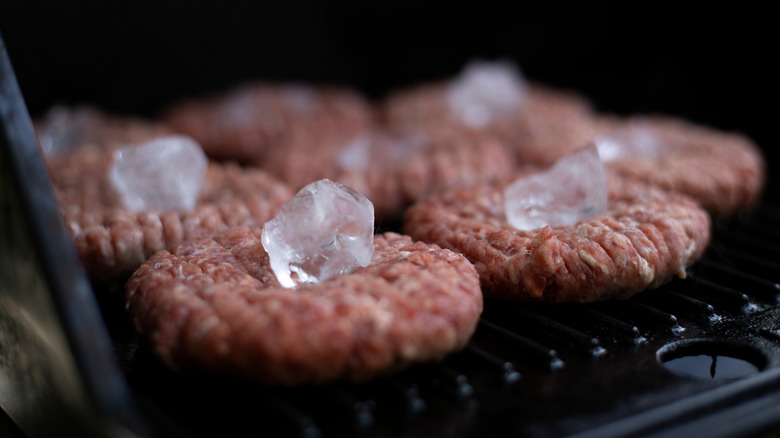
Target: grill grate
x: 534, y: 369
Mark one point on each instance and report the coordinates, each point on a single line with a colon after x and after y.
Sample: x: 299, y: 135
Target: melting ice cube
x: 389, y: 150
x: 573, y: 189
x: 356, y: 155
x: 484, y: 90
x: 635, y: 140
x: 300, y: 97
x: 240, y: 108
x: 163, y: 174
x: 63, y: 129
x: 326, y: 229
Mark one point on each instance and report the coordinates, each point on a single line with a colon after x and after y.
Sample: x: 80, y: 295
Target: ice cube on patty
x: 573, y: 189
x: 326, y: 229
x: 164, y: 174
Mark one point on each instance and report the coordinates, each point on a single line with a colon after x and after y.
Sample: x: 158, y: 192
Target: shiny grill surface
x: 536, y: 369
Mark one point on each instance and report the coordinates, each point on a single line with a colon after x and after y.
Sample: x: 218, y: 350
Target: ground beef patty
x: 644, y: 239
x: 214, y: 305
x: 113, y: 241
x: 724, y: 171
x: 64, y: 129
x: 243, y: 123
x: 547, y: 125
x: 392, y: 168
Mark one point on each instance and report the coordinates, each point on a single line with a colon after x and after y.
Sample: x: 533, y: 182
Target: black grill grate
x: 536, y: 369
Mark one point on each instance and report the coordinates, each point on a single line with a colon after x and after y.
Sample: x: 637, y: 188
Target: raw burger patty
x: 724, y: 171
x: 244, y: 123
x: 112, y: 241
x: 548, y: 124
x: 214, y: 305
x: 392, y: 169
x: 646, y: 237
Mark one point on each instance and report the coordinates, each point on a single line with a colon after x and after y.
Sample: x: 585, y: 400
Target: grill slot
x: 293, y: 417
x: 445, y: 381
x: 759, y: 224
x: 509, y: 375
x: 752, y: 243
x: 647, y: 318
x: 532, y: 324
x: 493, y: 336
x: 723, y: 275
x: 723, y: 298
x: 731, y: 300
x: 764, y: 216
x: 333, y: 406
x: 601, y: 326
x: 743, y: 260
x: 684, y: 306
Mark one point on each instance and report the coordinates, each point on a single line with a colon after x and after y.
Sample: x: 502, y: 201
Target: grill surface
x: 540, y: 370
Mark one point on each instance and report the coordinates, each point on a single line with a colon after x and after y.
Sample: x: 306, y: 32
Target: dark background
x: 712, y: 66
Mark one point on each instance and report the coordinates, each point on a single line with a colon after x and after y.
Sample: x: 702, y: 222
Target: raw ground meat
x: 548, y: 124
x: 113, y: 241
x: 244, y: 123
x: 725, y: 171
x: 214, y: 305
x: 400, y: 167
x: 646, y: 237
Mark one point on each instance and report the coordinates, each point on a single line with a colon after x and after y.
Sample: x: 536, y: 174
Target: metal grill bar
x: 647, y: 318
x: 718, y: 272
x: 534, y: 353
x: 685, y: 306
x: 508, y: 373
x: 746, y: 241
x: 536, y: 326
x: 743, y: 260
x: 721, y: 297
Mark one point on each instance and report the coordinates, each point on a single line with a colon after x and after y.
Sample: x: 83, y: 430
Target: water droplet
x: 556, y: 364
x: 751, y: 308
x: 465, y: 391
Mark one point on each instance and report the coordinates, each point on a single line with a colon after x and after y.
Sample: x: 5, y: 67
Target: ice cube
x: 391, y: 150
x: 300, y: 97
x: 356, y: 155
x: 484, y: 90
x: 164, y: 174
x: 63, y: 129
x: 240, y: 108
x: 326, y: 229
x: 636, y: 140
x: 573, y: 189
